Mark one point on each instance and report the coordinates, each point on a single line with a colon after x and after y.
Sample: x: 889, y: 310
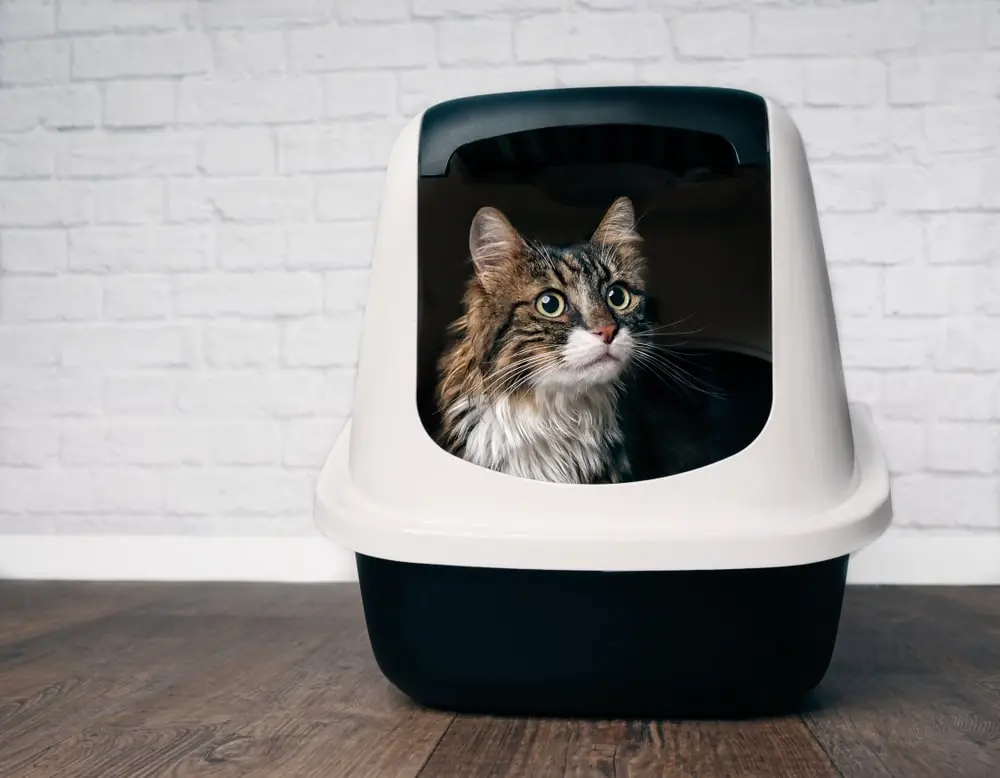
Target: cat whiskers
x: 507, y: 379
x: 646, y: 356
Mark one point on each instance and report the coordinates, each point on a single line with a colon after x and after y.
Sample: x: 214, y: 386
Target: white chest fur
x: 562, y: 436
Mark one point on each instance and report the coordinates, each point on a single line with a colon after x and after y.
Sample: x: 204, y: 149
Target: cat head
x: 555, y: 317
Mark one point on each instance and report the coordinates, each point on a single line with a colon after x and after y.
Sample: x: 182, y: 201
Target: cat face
x: 556, y: 317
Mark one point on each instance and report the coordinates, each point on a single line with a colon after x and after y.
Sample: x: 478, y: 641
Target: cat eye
x: 550, y: 304
x: 619, y: 297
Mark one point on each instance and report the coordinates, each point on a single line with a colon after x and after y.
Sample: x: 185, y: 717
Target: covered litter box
x: 715, y: 590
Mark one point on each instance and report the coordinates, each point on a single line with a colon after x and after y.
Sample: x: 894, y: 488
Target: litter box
x: 715, y: 591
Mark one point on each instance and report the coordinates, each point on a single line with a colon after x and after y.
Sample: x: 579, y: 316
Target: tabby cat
x: 531, y: 387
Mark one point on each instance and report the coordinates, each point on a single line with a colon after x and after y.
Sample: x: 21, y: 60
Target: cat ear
x: 618, y: 224
x: 492, y: 241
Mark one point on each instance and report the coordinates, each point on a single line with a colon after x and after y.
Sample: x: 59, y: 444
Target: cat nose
x: 607, y: 333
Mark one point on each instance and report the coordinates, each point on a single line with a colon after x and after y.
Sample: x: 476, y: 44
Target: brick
x: 968, y: 343
x: 33, y: 251
x: 250, y: 248
x: 780, y: 79
x: 963, y: 448
x: 243, y: 395
x: 988, y: 289
x: 419, y: 89
x: 582, y: 37
x: 993, y: 28
x: 44, y: 203
x: 712, y: 35
x: 63, y: 298
x: 136, y: 297
x: 846, y: 82
x: 958, y: 183
x: 989, y: 184
x: 242, y: 199
x: 28, y: 345
x: 246, y: 443
x: 596, y: 74
x: 357, y: 145
x: 253, y: 295
x: 838, y: 30
x: 131, y: 490
x: 956, y: 238
x: 905, y: 444
x: 349, y: 196
x: 962, y: 128
x: 870, y: 350
x: 346, y: 290
x: 951, y: 78
x: 57, y: 107
x: 21, y: 19
x: 274, y: 100
x: 45, y: 490
x: 952, y: 27
x: 369, y: 47
x: 139, y: 395
x: 42, y: 393
x: 240, y: 53
x: 119, y: 442
x: 337, y: 393
x: 480, y: 41
x: 930, y: 500
x: 336, y: 245
x: 129, y: 201
x: 322, y: 344
x: 365, y: 11
x: 843, y: 132
x: 864, y: 386
x: 140, y: 103
x: 141, y: 249
x: 241, y: 344
x: 237, y: 151
x: 91, y: 16
x: 133, y: 345
x: 877, y: 238
x: 607, y: 5
x: 171, y: 54
x: 116, y: 156
x: 264, y: 14
x: 30, y: 155
x: 359, y: 94
x: 924, y: 291
x: 846, y: 187
x: 438, y: 8
x: 963, y: 396
x: 241, y: 491
x: 28, y: 445
x: 857, y: 290
x: 307, y: 443
x: 34, y: 62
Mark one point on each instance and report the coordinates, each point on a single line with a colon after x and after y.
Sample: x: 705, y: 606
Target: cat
x: 532, y: 385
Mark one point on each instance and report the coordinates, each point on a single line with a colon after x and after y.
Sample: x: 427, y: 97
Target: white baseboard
x: 899, y: 557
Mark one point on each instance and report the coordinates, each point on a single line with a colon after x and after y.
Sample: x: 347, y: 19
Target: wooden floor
x: 110, y: 680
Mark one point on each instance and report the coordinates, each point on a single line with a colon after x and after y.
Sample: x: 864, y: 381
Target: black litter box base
x: 724, y: 644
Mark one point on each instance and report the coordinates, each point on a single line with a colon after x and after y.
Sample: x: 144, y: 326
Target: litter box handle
x: 739, y: 117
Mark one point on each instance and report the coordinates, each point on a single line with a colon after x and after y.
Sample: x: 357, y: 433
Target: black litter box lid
x: 737, y: 116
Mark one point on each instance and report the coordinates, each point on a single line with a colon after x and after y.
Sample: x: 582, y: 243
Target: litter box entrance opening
x: 699, y: 182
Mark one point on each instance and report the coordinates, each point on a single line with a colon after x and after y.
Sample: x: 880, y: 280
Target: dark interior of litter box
x: 695, y: 164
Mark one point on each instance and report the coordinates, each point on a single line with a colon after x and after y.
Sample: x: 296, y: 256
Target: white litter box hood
x: 812, y: 486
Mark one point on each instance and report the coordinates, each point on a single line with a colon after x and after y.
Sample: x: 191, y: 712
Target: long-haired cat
x: 531, y: 387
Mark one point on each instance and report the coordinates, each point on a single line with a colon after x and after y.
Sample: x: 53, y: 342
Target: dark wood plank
x: 509, y: 748
x: 317, y: 700
x: 31, y: 608
x: 910, y: 690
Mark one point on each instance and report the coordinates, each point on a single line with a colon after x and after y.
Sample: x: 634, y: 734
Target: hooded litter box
x: 712, y: 591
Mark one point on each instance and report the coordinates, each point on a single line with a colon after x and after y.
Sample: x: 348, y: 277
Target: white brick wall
x: 187, y: 201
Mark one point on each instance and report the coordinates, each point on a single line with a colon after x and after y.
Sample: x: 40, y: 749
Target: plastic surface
x: 614, y: 645
x: 812, y: 486
x: 734, y: 114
